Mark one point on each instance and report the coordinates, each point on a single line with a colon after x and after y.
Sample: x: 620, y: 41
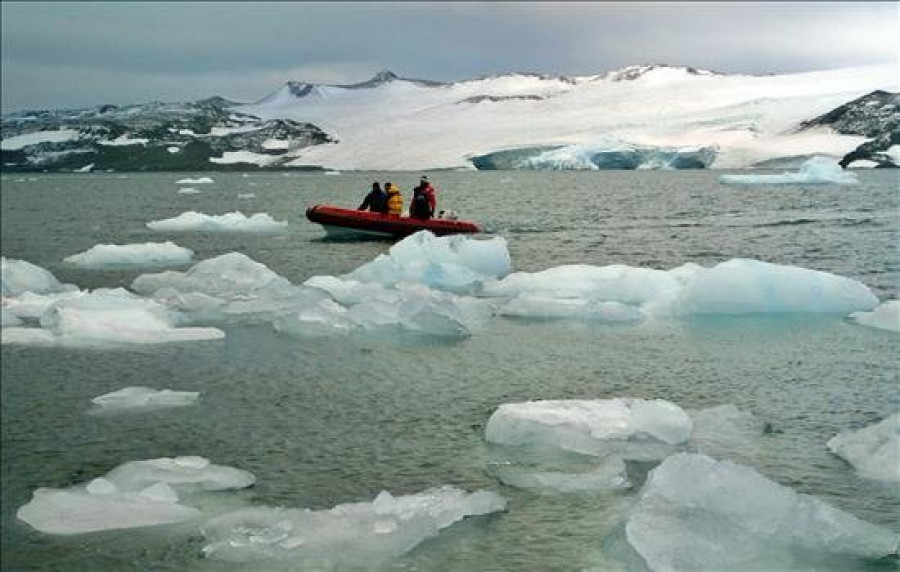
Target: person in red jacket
x: 424, y: 200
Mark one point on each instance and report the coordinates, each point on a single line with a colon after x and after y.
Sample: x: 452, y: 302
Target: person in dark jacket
x: 423, y: 202
x: 376, y: 201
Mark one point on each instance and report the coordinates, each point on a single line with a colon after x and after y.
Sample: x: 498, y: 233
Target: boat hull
x: 334, y: 218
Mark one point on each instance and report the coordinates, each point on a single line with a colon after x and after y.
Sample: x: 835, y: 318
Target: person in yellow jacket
x: 395, y: 199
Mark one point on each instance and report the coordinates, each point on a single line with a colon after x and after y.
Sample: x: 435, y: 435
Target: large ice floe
x: 138, y: 398
x: 132, y: 255
x: 624, y: 293
x: 348, y: 536
x: 107, y: 318
x: 192, y: 221
x: 873, y: 451
x: 696, y: 513
x: 135, y: 494
x: 815, y: 171
x: 885, y: 317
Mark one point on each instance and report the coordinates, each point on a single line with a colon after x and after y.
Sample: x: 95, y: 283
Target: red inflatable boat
x: 339, y: 221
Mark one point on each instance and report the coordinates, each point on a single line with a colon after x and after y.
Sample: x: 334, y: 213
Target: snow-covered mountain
x: 652, y: 116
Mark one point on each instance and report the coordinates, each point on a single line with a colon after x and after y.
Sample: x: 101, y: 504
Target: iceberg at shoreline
x: 873, y: 451
x: 352, y: 535
x: 696, y: 513
x: 885, y: 317
x: 192, y: 221
x: 144, y: 254
x: 814, y: 171
x: 135, y: 494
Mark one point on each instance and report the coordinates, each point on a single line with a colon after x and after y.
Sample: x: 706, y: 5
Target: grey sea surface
x: 322, y: 422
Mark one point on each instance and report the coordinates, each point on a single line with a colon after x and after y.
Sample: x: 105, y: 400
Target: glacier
x: 696, y: 513
x: 347, y: 536
x: 192, y: 221
x: 609, y: 153
x: 814, y: 171
x: 134, y: 494
x: 873, y: 451
x: 129, y: 255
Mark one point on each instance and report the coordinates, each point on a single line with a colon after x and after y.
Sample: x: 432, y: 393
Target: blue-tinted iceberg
x: 454, y: 263
x: 873, y: 451
x: 131, y: 255
x: 349, y: 536
x: 885, y: 317
x: 816, y: 171
x: 696, y: 513
x: 136, y: 494
x: 141, y: 398
x: 192, y: 221
x: 611, y: 153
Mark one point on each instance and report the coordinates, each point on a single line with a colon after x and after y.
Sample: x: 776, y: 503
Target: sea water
x: 325, y: 422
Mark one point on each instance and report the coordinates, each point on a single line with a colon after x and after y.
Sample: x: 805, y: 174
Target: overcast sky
x: 75, y: 54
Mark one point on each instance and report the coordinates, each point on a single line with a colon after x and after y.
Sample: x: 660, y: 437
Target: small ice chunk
x: 696, y: 513
x: 246, y: 195
x: 353, y: 535
x: 101, y: 486
x: 78, y: 510
x: 19, y: 276
x: 189, y: 191
x: 634, y: 428
x: 873, y: 451
x: 192, y: 221
x: 118, y: 317
x: 885, y: 317
x: 129, y: 255
x: 609, y: 475
x: 197, y: 181
x: 132, y: 398
x: 186, y: 474
x: 817, y: 170
x: 743, y: 286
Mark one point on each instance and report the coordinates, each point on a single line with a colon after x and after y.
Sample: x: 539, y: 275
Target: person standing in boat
x: 376, y: 201
x: 423, y: 202
x: 394, y: 199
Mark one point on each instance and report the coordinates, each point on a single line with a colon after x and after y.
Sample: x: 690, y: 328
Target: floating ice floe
x: 696, y: 513
x: 624, y: 293
x: 353, y: 535
x: 197, y: 181
x: 885, y: 317
x: 189, y: 191
x: 817, y: 170
x: 136, y: 494
x: 130, y: 255
x: 538, y: 439
x: 246, y: 195
x: 873, y: 451
x: 192, y: 221
x: 455, y: 263
x: 20, y: 276
x: 633, y: 428
x: 107, y: 317
x: 137, y: 398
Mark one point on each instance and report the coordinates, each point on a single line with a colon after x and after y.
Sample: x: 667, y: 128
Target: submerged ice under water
x: 326, y: 424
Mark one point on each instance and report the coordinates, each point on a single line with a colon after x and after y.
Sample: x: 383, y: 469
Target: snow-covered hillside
x: 399, y: 124
x: 652, y: 116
